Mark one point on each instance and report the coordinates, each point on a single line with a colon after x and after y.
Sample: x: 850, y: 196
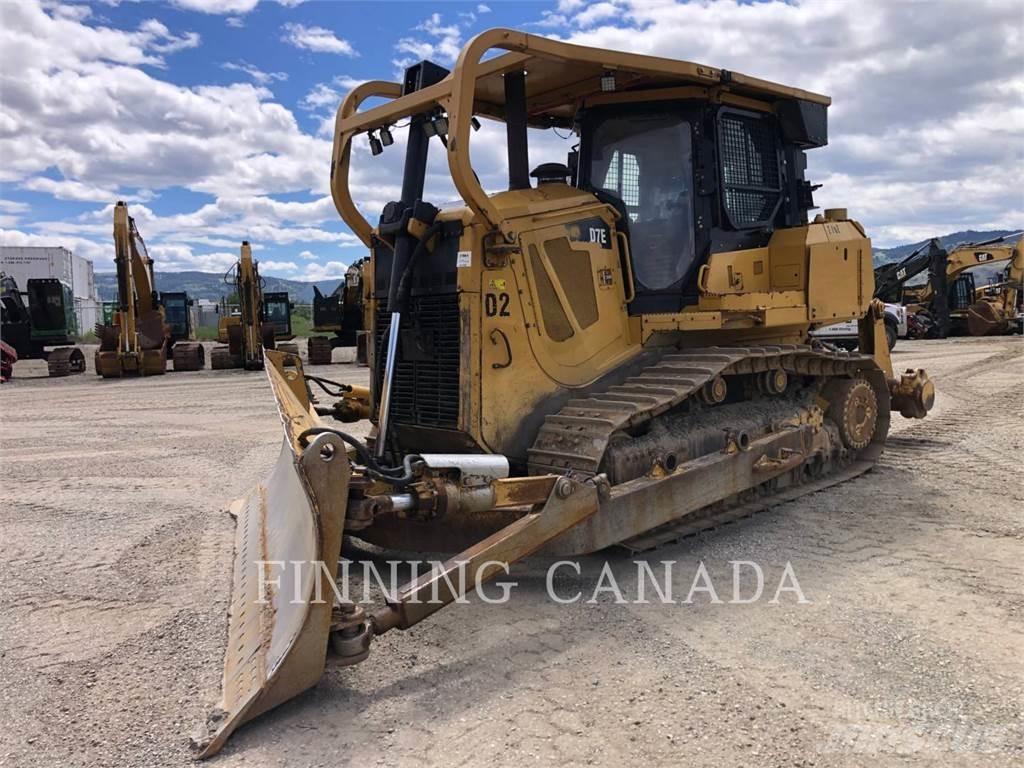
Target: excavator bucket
x: 288, y: 540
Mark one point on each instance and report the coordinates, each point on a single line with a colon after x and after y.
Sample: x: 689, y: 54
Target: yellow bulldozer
x: 611, y: 352
x: 262, y: 320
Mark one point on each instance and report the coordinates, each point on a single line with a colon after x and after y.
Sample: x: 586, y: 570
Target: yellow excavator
x: 263, y: 320
x: 614, y: 351
x: 137, y: 339
x: 341, y: 314
x: 969, y: 309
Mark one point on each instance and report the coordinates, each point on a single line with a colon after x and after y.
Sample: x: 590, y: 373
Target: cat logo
x: 982, y: 256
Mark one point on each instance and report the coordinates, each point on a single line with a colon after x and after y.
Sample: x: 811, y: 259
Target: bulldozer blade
x: 288, y: 537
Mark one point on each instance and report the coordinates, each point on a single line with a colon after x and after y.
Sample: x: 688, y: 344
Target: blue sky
x: 212, y: 117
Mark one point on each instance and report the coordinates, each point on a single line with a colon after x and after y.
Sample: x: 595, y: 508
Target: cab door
x: 572, y: 273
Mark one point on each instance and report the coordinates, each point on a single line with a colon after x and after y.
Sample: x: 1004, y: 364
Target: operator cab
x: 277, y: 313
x: 176, y: 313
x: 50, y: 305
x: 691, y: 178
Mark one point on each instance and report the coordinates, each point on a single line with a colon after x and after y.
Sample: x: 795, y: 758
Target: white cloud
x: 329, y: 95
x: 442, y: 44
x: 347, y: 83
x: 66, y: 189
x: 482, y: 8
x: 321, y: 95
x: 595, y: 13
x: 84, y: 247
x: 76, y: 101
x: 267, y: 267
x: 332, y: 270
x: 316, y: 39
x: 915, y: 107
x: 13, y: 206
x: 235, y: 21
x: 257, y: 74
x: 216, y: 6
x: 176, y: 257
x: 308, y: 255
x: 73, y: 12
x: 162, y: 41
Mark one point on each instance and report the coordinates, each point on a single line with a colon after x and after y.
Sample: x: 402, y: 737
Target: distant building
x: 23, y: 262
x: 207, y: 313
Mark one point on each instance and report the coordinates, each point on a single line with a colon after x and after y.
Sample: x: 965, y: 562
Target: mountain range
x: 207, y: 285
x: 887, y: 255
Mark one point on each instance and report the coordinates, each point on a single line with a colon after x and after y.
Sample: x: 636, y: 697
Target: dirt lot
x: 115, y: 579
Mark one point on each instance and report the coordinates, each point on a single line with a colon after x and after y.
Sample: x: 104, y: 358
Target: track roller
x: 714, y: 391
x: 773, y: 382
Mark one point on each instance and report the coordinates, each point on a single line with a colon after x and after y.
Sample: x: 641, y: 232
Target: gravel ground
x: 115, y: 581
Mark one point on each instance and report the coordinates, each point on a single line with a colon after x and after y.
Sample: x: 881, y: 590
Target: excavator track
x: 577, y: 438
x: 65, y: 361
x: 188, y: 356
x: 319, y: 350
x: 221, y: 358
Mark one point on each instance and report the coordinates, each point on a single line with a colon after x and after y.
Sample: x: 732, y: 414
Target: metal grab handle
x: 628, y: 288
x: 508, y: 348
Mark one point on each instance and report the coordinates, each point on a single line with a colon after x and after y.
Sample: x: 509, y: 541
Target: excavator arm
x: 890, y: 278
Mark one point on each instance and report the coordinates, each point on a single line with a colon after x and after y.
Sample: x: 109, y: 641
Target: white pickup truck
x: 845, y: 334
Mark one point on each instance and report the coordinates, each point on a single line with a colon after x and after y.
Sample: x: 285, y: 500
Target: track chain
x: 719, y: 514
x: 575, y: 438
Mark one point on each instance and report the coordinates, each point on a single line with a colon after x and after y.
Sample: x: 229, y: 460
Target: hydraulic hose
x: 373, y: 469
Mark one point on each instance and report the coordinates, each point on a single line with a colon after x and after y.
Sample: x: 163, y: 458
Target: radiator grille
x: 426, y: 387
